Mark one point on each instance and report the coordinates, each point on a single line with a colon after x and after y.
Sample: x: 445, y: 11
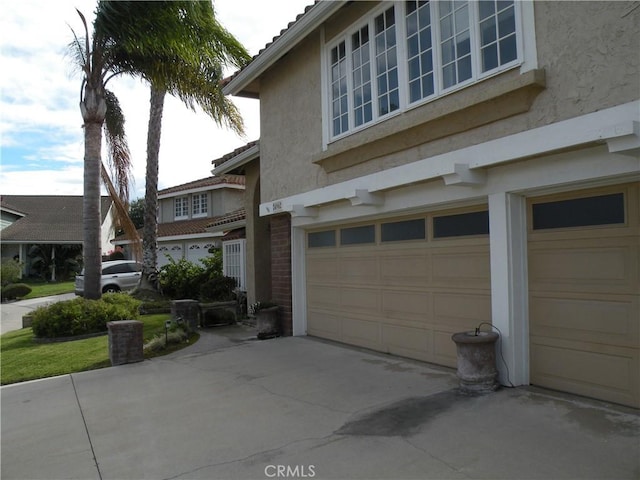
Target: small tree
x: 10, y: 271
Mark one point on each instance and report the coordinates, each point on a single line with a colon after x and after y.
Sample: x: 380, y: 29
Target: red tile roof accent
x: 205, y: 182
x: 235, y: 153
x: 183, y: 227
x: 231, y: 217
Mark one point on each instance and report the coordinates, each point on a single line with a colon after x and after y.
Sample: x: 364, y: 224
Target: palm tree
x: 191, y: 48
x: 179, y: 48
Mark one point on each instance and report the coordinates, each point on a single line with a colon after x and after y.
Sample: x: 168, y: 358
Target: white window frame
x: 199, y: 205
x: 235, y: 267
x: 523, y: 19
x: 181, y: 208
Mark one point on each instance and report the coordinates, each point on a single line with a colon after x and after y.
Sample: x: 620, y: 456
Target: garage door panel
x: 463, y: 269
x: 361, y: 332
x: 461, y: 311
x: 322, y: 267
x: 359, y: 269
x: 598, y: 320
x: 362, y: 300
x: 580, y: 269
x: 323, y: 297
x: 324, y: 325
x: 405, y: 270
x: 407, y: 341
x: 444, y: 349
x: 594, y: 370
x: 406, y: 305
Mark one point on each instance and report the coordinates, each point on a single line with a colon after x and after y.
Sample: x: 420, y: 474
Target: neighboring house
x: 51, y: 220
x: 185, y: 211
x: 432, y: 167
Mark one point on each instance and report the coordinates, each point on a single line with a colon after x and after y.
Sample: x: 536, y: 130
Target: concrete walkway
x: 231, y: 407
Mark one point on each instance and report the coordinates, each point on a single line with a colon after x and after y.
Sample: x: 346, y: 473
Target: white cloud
x: 40, y: 94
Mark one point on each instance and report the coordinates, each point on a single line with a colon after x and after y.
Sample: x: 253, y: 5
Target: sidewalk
x: 236, y: 408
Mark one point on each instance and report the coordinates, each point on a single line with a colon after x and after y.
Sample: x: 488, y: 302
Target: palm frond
x: 117, y: 146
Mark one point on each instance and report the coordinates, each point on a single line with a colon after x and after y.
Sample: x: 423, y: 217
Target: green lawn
x: 47, y: 289
x: 23, y: 359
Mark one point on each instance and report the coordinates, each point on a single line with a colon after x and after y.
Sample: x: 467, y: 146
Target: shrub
x: 181, y: 279
x: 9, y: 271
x: 15, y: 290
x: 81, y: 316
x: 218, y: 289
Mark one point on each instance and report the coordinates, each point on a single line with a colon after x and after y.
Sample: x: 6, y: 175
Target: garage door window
x: 358, y: 235
x: 326, y: 238
x: 473, y: 223
x: 406, y: 230
x: 579, y: 212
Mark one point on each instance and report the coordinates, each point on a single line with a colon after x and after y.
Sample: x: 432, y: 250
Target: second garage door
x: 401, y: 286
x: 584, y: 293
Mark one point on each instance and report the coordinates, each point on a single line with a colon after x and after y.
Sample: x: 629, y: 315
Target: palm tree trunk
x: 91, y: 210
x: 150, y: 230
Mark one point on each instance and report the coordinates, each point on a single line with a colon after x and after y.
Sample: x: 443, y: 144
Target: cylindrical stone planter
x: 267, y: 323
x: 477, y: 361
x: 188, y: 311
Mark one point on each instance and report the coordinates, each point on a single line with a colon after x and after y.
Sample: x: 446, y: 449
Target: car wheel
x: 110, y: 289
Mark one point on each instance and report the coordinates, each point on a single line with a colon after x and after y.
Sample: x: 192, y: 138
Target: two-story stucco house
x: 196, y: 216
x: 432, y: 167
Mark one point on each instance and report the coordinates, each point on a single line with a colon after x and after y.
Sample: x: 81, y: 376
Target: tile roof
x: 204, y: 182
x: 183, y: 227
x: 235, y: 153
x: 48, y: 218
x: 194, y: 226
x: 231, y: 217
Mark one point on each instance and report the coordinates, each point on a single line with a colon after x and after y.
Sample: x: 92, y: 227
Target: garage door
x: 173, y: 250
x: 401, y: 286
x: 584, y: 293
x: 198, y: 250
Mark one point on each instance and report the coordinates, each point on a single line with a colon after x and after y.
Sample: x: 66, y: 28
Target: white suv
x: 117, y: 275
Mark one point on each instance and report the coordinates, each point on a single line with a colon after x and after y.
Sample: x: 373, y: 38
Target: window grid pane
x: 181, y: 207
x: 200, y: 206
x: 339, y: 111
x: 386, y: 62
x: 455, y: 42
x: 419, y: 50
x: 497, y: 33
x: 362, y: 103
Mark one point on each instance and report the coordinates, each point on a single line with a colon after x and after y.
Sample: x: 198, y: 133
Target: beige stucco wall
x: 587, y: 56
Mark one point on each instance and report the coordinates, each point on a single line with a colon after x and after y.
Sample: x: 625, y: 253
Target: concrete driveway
x: 11, y: 312
x: 231, y: 407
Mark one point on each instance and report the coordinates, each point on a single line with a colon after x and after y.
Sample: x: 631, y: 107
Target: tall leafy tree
x: 190, y: 49
x: 179, y: 48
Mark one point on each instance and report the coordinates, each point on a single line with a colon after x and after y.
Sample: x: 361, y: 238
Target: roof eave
x: 311, y: 20
x: 242, y: 159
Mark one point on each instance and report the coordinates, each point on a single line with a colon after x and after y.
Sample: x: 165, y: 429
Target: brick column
x: 125, y: 342
x: 281, y: 270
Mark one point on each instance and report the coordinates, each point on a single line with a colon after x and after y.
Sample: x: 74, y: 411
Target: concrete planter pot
x: 476, y: 355
x: 267, y: 322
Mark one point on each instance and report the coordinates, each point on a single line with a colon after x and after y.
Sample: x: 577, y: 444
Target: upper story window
x: 415, y: 51
x: 200, y: 205
x: 181, y: 208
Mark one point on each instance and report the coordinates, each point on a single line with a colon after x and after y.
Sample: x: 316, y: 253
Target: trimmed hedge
x: 15, y: 290
x: 81, y: 316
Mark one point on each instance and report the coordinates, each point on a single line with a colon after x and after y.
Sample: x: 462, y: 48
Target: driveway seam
x: 86, y: 428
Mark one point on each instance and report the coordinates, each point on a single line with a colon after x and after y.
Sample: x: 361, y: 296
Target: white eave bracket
x: 624, y: 138
x: 463, y: 176
x: 364, y: 197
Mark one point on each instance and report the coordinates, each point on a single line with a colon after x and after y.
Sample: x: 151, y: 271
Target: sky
x: 41, y: 137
